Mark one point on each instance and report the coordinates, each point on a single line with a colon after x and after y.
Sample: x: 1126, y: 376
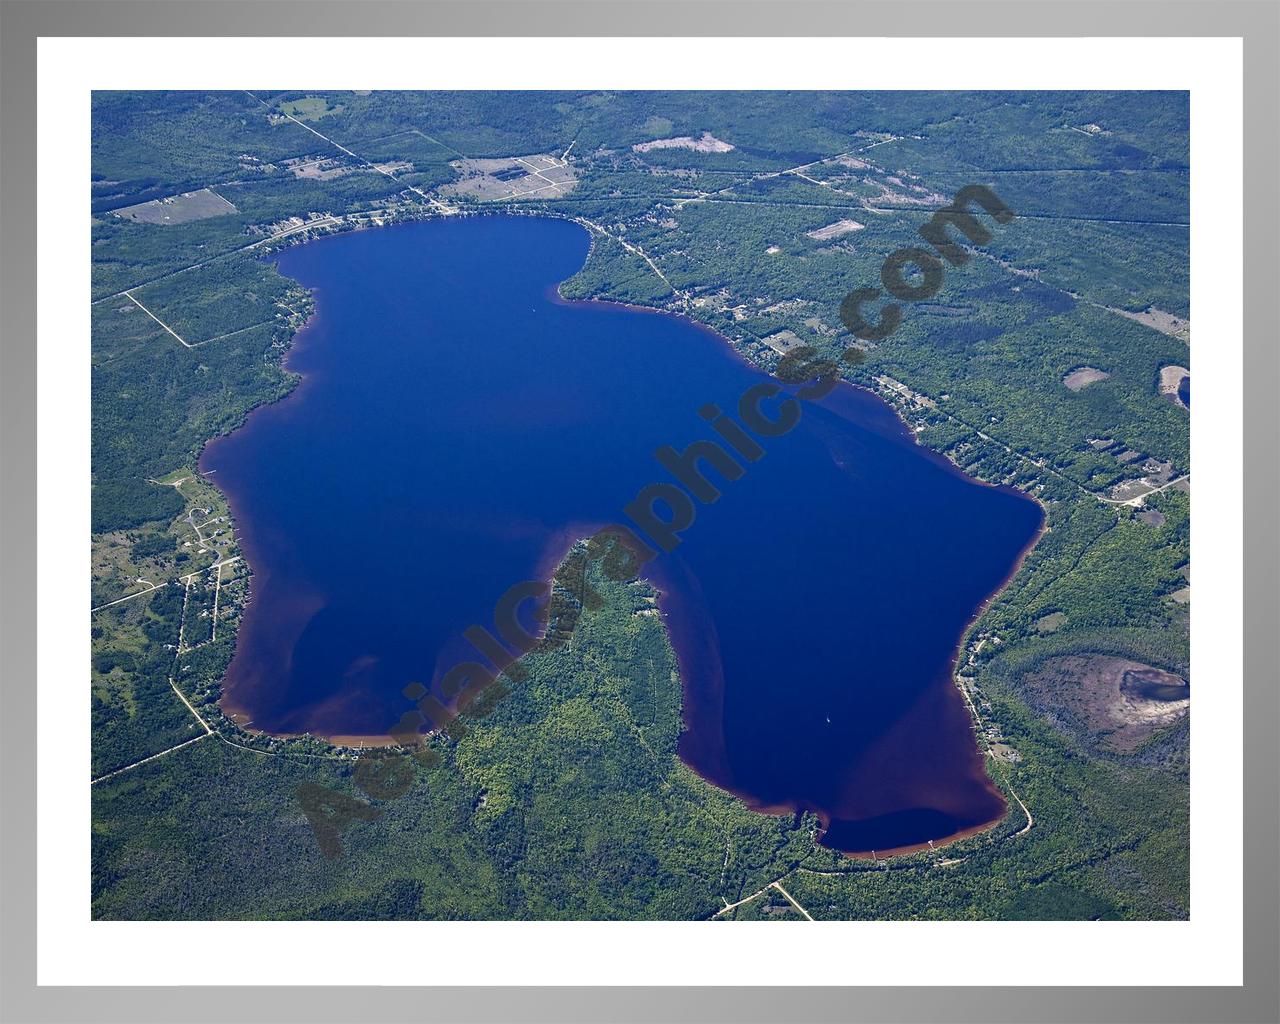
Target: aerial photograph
x: 681, y: 506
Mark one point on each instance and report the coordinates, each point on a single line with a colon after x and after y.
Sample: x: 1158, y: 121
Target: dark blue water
x: 457, y: 425
x: 1184, y: 390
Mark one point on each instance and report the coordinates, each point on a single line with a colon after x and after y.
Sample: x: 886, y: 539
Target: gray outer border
x: 22, y: 21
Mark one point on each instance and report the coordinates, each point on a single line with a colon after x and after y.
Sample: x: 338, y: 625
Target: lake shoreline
x: 307, y: 333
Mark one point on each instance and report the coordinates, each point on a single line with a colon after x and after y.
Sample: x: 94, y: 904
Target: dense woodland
x: 567, y: 799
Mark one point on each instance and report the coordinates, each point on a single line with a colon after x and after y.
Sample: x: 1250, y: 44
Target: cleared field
x: 189, y: 206
x: 512, y: 177
x: 1050, y: 623
x: 840, y: 227
x: 783, y: 341
x: 325, y: 168
x: 707, y: 144
x: 310, y: 108
x: 1079, y: 379
x: 1171, y: 378
x: 1158, y: 319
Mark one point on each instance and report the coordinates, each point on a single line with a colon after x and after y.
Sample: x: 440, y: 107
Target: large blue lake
x: 457, y: 425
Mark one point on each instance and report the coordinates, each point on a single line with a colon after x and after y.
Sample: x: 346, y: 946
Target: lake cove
x: 457, y: 426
